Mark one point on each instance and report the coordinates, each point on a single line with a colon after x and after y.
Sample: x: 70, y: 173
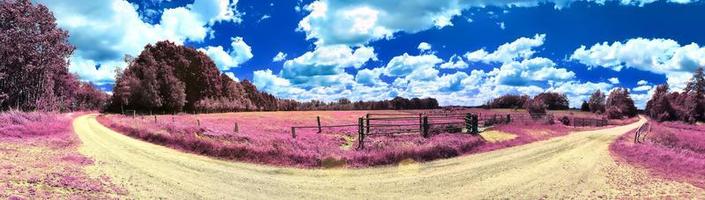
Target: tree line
x: 615, y: 106
x: 687, y: 106
x: 170, y: 78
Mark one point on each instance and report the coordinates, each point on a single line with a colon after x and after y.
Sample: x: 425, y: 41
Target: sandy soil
x: 574, y: 166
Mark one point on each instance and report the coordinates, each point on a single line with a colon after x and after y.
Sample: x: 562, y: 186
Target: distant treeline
x: 615, y: 106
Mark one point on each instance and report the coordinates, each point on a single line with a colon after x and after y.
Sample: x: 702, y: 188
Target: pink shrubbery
x: 265, y: 137
x: 671, y: 150
x: 39, y: 159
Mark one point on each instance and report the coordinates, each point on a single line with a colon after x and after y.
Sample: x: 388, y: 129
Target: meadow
x: 671, y: 150
x: 39, y: 159
x: 265, y: 137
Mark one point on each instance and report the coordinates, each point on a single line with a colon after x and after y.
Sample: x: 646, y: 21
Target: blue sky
x: 460, y: 52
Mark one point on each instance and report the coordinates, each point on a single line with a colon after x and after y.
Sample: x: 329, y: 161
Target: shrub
x: 509, y: 101
x: 536, y: 107
x: 565, y: 120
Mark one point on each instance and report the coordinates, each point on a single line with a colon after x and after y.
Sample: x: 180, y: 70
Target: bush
x: 536, y: 107
x: 565, y: 120
x: 554, y: 101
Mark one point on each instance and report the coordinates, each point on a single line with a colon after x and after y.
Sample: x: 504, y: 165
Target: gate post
x: 361, y: 134
x: 293, y: 132
x: 475, y: 124
x: 426, y: 126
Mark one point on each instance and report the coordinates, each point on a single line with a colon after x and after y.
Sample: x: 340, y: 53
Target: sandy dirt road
x: 574, y: 166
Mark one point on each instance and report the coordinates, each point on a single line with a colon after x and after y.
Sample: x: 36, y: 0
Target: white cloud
x: 326, y: 65
x: 455, y: 62
x: 529, y: 71
x: 642, y: 82
x: 104, y: 31
x: 279, y: 57
x: 613, y: 80
x: 424, y: 46
x: 501, y: 25
x: 642, y: 88
x: 660, y: 56
x: 521, y: 48
x: 406, y: 64
x: 359, y: 22
x: 370, y: 77
x: 240, y: 53
x: 232, y: 76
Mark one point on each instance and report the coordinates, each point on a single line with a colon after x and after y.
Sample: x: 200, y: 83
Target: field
x: 39, y: 159
x: 266, y: 138
x: 670, y: 150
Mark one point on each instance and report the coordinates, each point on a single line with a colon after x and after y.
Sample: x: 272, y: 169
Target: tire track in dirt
x: 574, y: 166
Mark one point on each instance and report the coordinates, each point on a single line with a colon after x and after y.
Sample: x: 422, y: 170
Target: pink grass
x: 39, y: 159
x: 672, y: 150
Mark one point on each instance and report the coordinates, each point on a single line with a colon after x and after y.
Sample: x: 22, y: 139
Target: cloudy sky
x: 462, y: 52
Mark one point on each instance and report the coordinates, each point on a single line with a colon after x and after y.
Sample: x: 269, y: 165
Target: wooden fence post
x: 425, y: 126
x: 318, y: 120
x: 475, y: 122
x: 155, y: 119
x: 509, y: 118
x: 361, y: 134
x: 293, y: 132
x: 236, y: 129
x: 198, y: 121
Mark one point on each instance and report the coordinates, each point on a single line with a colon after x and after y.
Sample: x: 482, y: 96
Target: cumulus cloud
x: 104, y: 31
x: 359, y: 22
x: 642, y: 82
x: 326, y: 65
x: 660, y: 56
x: 529, y: 71
x: 521, y: 48
x: 240, y: 53
x: 613, y: 80
x: 455, y: 62
x: 406, y: 64
x: 279, y: 57
x: 424, y: 46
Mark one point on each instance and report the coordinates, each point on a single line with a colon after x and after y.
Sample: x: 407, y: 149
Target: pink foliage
x: 672, y: 150
x: 39, y: 159
x: 265, y: 137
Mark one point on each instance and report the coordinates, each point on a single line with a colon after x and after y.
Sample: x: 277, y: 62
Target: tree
x: 33, y: 68
x: 659, y: 107
x: 554, y: 101
x: 620, y: 105
x: 597, y: 102
x: 585, y: 107
x: 695, y: 99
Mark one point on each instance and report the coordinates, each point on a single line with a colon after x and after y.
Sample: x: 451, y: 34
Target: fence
x: 640, y: 133
x: 588, y: 122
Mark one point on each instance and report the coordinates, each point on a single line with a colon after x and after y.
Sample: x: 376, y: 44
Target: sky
x: 461, y: 52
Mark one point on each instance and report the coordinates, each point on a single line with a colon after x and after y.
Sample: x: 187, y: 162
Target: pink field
x: 265, y: 138
x: 39, y: 160
x: 672, y: 150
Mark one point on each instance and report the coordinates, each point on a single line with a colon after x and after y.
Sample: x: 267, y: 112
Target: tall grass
x: 39, y: 159
x: 672, y: 150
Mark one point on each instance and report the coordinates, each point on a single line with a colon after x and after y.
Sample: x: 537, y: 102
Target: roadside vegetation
x: 673, y: 145
x: 39, y: 159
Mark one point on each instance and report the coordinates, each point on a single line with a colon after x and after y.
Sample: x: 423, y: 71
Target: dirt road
x: 577, y: 165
